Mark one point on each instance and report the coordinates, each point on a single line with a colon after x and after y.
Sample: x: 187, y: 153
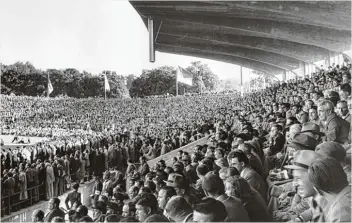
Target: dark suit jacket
x: 235, y: 209
x: 255, y: 181
x: 54, y: 213
x: 144, y: 169
x: 336, y: 129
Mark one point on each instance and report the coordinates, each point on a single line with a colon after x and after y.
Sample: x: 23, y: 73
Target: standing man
x: 73, y: 197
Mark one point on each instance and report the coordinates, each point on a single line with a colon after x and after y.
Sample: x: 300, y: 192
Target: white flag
x: 106, y: 83
x: 50, y: 86
x: 184, y: 76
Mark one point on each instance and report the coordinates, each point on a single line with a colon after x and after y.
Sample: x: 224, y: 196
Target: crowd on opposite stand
x: 285, y: 156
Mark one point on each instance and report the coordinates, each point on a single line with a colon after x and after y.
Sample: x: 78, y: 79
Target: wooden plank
x: 187, y: 148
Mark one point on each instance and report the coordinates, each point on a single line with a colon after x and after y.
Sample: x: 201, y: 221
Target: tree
x: 203, y: 75
x: 24, y: 79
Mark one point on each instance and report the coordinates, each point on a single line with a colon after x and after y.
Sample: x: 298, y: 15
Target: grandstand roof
x: 269, y: 36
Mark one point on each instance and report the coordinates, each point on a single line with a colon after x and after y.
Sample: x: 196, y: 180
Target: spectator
x: 254, y: 204
x: 73, y: 197
x: 164, y: 195
x: 305, y: 188
x: 147, y: 207
x: 240, y: 161
x: 209, y: 210
x: 178, y: 209
x: 329, y: 179
x: 54, y: 210
x: 38, y: 216
x: 335, y: 128
x: 213, y: 186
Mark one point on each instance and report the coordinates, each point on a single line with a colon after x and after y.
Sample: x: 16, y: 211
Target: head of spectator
x: 332, y: 149
x: 313, y: 114
x: 209, y: 210
x: 212, y: 185
x: 299, y: 167
x: 302, y: 117
x: 328, y: 178
x: 133, y: 192
x: 293, y: 130
x: 139, y: 183
x: 178, y: 209
x: 179, y: 155
x: 238, y: 187
x: 239, y: 160
x: 312, y: 130
x: 345, y: 91
x: 325, y: 109
x: 178, y: 167
x: 99, y: 209
x: 81, y: 211
x: 128, y: 209
x: 38, y: 216
x: 54, y: 203
x: 146, y: 206
x: 178, y: 182
x: 346, y: 78
x: 164, y: 195
x: 333, y: 96
x: 57, y: 219
x: 151, y: 185
x: 342, y: 108
x: 202, y: 170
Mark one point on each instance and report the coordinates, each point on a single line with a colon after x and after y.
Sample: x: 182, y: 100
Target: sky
x: 91, y: 35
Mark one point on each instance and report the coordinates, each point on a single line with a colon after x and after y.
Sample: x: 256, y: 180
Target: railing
x: 7, y: 201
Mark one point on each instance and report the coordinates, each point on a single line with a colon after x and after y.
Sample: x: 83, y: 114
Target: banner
x: 184, y: 76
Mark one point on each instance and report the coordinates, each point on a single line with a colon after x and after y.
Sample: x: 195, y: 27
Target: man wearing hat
x: 336, y: 151
x: 181, y: 186
x: 303, y: 159
x: 312, y: 130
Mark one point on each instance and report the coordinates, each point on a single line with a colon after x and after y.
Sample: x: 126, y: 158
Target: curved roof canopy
x: 269, y: 36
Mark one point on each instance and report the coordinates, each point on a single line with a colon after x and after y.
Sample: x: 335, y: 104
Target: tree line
x: 24, y: 79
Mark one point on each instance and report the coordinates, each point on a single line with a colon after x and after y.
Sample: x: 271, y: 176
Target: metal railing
x: 8, y: 201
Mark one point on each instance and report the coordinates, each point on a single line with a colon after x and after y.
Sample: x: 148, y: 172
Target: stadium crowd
x: 281, y: 154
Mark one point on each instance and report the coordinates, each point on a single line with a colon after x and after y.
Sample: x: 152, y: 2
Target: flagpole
x: 177, y: 70
x: 47, y: 86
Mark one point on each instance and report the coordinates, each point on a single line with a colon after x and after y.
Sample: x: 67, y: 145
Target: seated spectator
x: 240, y: 161
x: 54, y: 210
x: 335, y: 128
x: 213, y: 186
x: 147, y: 208
x: 336, y: 151
x: 209, y: 210
x: 38, y: 216
x: 254, y: 204
x: 178, y: 209
x: 330, y: 181
x: 164, y: 195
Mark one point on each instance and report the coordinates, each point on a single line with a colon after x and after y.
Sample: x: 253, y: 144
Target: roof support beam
x: 277, y: 60
x: 266, y: 68
x: 302, y: 52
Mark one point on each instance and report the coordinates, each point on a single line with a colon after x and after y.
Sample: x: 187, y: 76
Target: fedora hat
x: 311, y: 127
x: 302, y: 142
x: 303, y: 159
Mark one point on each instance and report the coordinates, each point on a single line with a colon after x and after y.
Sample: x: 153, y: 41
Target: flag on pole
x: 50, y: 86
x: 106, y: 83
x: 184, y: 76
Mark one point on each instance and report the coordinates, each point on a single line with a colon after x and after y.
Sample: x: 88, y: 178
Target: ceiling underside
x: 272, y: 36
